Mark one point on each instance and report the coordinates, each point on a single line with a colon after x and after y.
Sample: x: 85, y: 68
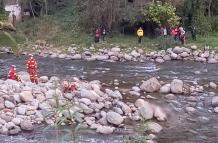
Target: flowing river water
x: 181, y: 126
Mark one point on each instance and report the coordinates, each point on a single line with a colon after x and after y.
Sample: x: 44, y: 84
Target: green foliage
x: 162, y: 13
x: 3, y: 14
x: 214, y: 23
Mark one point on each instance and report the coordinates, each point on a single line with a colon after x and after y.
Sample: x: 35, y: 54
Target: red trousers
x: 33, y: 75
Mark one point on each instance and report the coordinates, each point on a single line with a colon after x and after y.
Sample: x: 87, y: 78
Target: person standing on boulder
x: 140, y: 34
x: 12, y: 74
x: 32, y: 69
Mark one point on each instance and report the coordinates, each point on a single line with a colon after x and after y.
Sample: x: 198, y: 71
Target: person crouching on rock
x: 32, y: 69
x: 12, y: 74
x: 69, y: 87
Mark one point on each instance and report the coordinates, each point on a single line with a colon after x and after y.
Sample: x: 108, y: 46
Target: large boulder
x: 26, y: 96
x: 176, y: 86
x: 26, y: 125
x: 146, y: 111
x: 114, y: 118
x: 150, y: 85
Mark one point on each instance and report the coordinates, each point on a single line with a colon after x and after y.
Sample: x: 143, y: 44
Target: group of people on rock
x: 31, y: 66
x: 100, y: 33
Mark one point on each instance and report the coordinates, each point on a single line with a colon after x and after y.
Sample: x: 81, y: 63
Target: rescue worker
x: 32, y: 69
x: 12, y: 74
x: 69, y: 87
x: 140, y: 34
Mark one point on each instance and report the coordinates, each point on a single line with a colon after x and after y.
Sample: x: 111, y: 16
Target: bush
x: 214, y: 23
x: 202, y: 24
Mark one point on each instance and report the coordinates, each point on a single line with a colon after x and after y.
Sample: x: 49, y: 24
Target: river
x: 181, y: 127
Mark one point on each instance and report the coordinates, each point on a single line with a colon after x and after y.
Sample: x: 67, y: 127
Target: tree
x: 162, y: 13
x: 3, y: 14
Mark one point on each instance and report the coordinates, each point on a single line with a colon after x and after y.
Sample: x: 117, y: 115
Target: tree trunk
x: 209, y: 7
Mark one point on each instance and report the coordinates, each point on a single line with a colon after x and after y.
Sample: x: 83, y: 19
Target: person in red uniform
x: 69, y: 87
x: 12, y: 74
x: 32, y: 69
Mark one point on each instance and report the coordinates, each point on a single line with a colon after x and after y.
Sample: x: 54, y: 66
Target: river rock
x: 90, y: 94
x: 134, y: 93
x: 26, y: 125
x: 215, y: 101
x: 4, y: 130
x: 135, y: 54
x: 159, y: 114
x: 176, y: 86
x: 17, y: 98
x: 173, y: 56
x: 24, y: 76
x: 43, y: 79
x: 15, y: 130
x: 154, y: 127
x: 146, y: 111
x: 213, y: 85
x: 126, y: 109
x: 165, y: 89
x: 2, y: 101
x: 136, y: 88
x: 150, y: 85
x: 114, y: 118
x: 10, y: 125
x: 16, y: 121
x: 9, y: 104
x: 159, y: 60
x: 26, y: 96
x: 200, y: 59
x: 216, y: 109
x: 21, y: 110
x: 69, y: 96
x: 114, y: 94
x: 178, y: 50
x: 86, y: 109
x: 77, y: 57
x: 115, y: 49
x: 212, y: 61
x: 118, y: 110
x: 6, y: 117
x: 127, y: 57
x: 140, y: 103
x: 166, y: 58
x: 105, y: 129
x: 190, y: 109
x: 86, y: 101
x: 2, y: 122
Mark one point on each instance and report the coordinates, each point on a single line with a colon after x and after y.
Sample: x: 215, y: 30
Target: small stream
x: 181, y: 127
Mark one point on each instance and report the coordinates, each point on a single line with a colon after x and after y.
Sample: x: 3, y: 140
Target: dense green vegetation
x: 65, y: 22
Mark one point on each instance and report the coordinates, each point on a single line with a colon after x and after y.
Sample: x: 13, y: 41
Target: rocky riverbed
x: 188, y: 106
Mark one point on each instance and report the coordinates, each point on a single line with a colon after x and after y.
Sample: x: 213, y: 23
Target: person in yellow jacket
x: 140, y: 34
